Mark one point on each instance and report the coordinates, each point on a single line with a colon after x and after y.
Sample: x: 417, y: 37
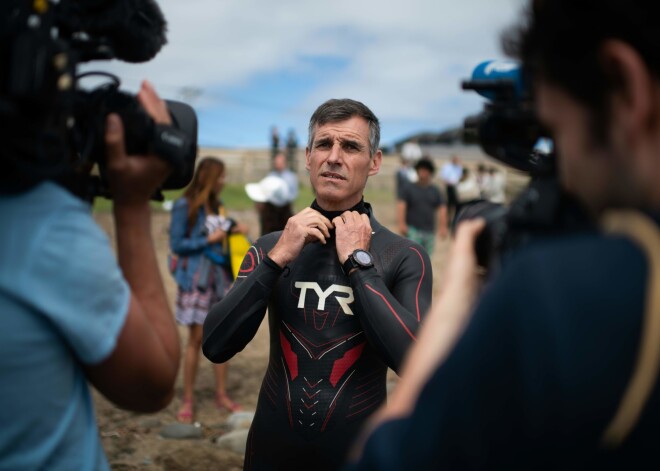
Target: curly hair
x: 560, y: 41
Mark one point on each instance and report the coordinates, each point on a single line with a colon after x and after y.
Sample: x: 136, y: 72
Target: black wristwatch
x: 359, y: 259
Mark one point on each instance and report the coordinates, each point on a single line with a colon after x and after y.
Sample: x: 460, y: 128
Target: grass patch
x: 234, y: 198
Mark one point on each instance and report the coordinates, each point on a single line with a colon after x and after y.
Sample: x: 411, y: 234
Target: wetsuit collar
x: 361, y: 207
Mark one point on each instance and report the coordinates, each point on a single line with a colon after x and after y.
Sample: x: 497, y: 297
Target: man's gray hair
x: 335, y: 110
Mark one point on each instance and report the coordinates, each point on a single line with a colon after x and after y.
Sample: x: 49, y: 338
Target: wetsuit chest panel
x: 320, y: 342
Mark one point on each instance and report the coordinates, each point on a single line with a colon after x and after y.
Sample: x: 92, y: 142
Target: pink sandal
x: 185, y: 414
x: 222, y: 401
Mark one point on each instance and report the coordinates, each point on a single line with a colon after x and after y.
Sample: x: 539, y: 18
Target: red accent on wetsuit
x: 419, y: 285
x: 342, y: 364
x: 290, y: 357
x: 249, y: 263
x: 393, y: 311
x: 313, y: 350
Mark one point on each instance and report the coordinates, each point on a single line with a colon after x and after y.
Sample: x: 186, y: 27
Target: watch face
x: 362, y: 257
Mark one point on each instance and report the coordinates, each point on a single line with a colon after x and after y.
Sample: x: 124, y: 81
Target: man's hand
x: 352, y: 231
x: 134, y: 179
x: 301, y: 229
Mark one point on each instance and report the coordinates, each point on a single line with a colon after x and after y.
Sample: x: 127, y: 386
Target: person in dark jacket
x: 554, y: 366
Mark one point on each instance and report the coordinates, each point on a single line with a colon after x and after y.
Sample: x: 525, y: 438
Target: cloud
x: 404, y: 59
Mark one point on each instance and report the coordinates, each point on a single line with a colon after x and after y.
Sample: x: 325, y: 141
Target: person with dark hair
x: 274, y: 142
x: 555, y: 365
x: 74, y: 314
x: 198, y: 239
x: 421, y: 209
x: 291, y: 150
x: 345, y: 297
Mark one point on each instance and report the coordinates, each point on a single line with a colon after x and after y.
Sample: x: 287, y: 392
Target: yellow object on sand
x: 238, y: 247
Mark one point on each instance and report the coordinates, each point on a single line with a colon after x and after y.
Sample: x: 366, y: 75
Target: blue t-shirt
x: 63, y: 302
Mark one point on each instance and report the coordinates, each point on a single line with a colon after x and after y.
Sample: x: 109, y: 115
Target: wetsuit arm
x: 234, y: 321
x: 390, y: 317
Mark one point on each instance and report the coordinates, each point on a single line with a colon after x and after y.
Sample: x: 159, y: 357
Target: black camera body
x: 509, y: 131
x: 53, y: 128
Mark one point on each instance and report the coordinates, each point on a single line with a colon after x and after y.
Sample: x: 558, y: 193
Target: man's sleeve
x: 234, y: 321
x: 390, y: 317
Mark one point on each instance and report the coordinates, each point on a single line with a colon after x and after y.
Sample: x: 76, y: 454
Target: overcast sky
x: 246, y: 65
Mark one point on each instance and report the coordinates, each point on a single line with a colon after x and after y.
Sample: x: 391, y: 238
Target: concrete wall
x: 251, y: 165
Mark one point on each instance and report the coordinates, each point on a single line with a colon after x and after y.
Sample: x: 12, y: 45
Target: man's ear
x: 307, y: 155
x: 633, y: 102
x: 375, y: 162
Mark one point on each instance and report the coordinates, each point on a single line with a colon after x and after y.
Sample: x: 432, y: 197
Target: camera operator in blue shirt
x: 72, y: 311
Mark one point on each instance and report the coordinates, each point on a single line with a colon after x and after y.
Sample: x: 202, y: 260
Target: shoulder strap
x: 644, y: 232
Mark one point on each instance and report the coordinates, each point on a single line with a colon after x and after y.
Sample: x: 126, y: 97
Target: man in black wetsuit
x: 557, y: 364
x: 344, y: 295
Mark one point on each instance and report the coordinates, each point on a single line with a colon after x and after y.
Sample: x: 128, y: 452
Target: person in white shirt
x: 274, y: 199
x: 451, y: 174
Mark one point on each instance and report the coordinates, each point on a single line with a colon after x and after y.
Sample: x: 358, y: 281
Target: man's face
x: 590, y: 170
x: 339, y: 163
x: 424, y: 175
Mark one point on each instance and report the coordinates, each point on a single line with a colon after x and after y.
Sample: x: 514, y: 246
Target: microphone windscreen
x: 498, y: 70
x: 136, y: 28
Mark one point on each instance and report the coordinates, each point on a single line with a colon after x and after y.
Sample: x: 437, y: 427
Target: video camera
x: 54, y: 130
x: 508, y: 130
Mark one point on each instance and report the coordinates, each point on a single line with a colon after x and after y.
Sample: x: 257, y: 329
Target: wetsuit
x: 332, y: 338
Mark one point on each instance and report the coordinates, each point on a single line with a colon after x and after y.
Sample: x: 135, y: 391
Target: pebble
x: 180, y: 431
x: 239, y: 420
x: 233, y: 441
x: 150, y: 422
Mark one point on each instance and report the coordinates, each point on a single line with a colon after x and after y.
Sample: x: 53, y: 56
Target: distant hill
x: 451, y: 136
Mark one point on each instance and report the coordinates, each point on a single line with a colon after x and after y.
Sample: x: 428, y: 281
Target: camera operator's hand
x: 134, y: 179
x: 142, y: 369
